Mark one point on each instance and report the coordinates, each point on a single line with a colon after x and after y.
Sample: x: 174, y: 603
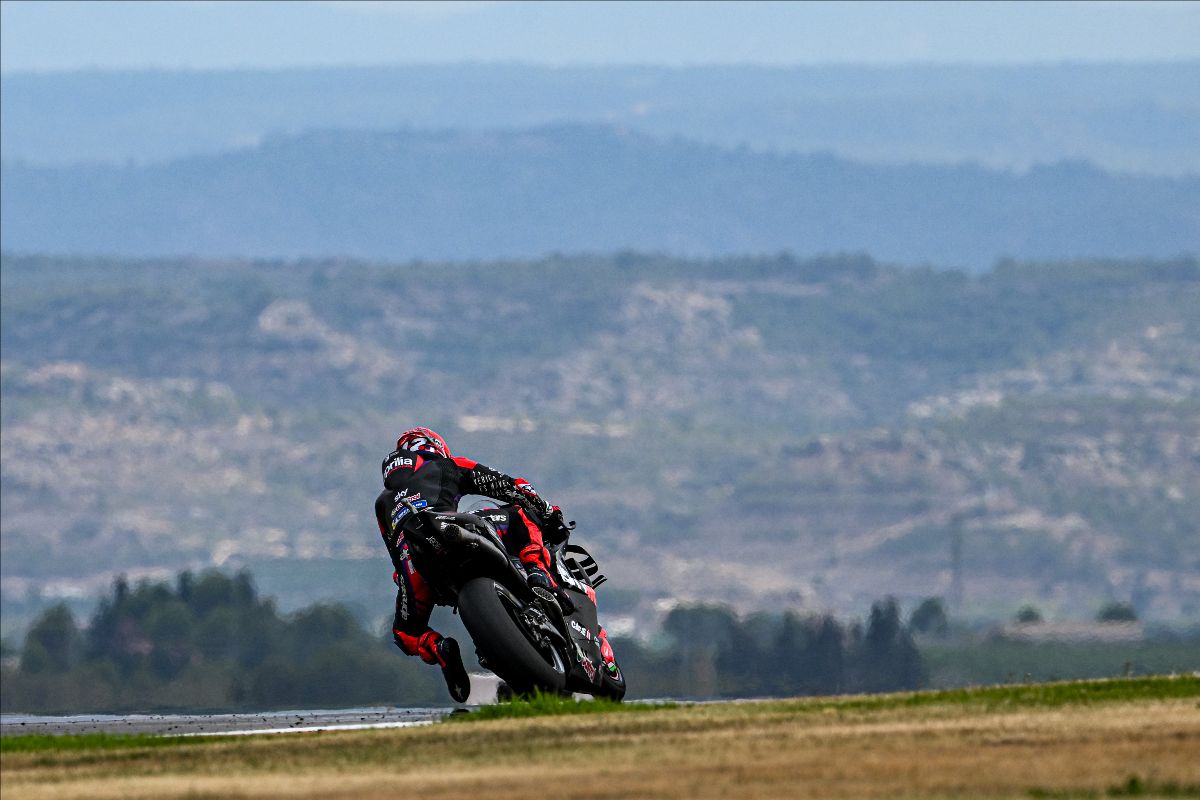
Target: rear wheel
x: 492, y: 615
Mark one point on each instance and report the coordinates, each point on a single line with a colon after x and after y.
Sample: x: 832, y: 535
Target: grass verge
x: 1035, y: 695
x: 988, y: 698
x: 1134, y: 786
x: 39, y: 742
x: 1000, y: 743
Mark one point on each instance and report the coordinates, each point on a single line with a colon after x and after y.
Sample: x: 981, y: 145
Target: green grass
x: 549, y: 705
x: 1044, y: 695
x: 38, y: 742
x: 990, y: 698
x: 1134, y: 786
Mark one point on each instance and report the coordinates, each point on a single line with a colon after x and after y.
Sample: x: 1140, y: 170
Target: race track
x: 221, y: 724
x: 483, y: 692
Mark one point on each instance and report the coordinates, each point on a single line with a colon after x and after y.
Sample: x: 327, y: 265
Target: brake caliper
x: 535, y: 625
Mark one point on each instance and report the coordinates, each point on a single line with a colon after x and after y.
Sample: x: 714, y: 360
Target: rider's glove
x: 538, y: 579
x: 539, y: 582
x: 530, y: 500
x: 557, y: 527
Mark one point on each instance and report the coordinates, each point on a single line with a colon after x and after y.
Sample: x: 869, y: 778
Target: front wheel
x: 612, y: 685
x: 492, y: 615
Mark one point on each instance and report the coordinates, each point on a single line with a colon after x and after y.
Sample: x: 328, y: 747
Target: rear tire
x: 489, y: 615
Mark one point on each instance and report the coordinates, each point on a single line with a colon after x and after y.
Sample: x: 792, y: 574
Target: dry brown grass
x: 729, y: 751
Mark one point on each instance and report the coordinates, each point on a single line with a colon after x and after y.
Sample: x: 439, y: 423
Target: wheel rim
x: 555, y: 659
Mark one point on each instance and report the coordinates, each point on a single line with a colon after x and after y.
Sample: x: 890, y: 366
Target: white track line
x: 313, y: 729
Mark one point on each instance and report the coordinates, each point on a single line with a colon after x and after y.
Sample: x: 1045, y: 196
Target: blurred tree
x: 1028, y: 614
x: 789, y: 662
x: 930, y: 617
x: 827, y: 657
x: 183, y: 585
x: 216, y: 634
x: 810, y: 654
x: 211, y: 591
x: 1117, y: 611
x: 53, y: 643
x: 170, y: 629
x: 888, y: 658
x: 700, y: 634
x: 324, y: 622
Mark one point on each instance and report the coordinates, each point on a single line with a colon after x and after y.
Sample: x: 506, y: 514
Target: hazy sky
x: 72, y: 34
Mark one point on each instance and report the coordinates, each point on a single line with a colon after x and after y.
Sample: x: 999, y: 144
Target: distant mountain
x: 1122, y: 117
x: 458, y: 195
x: 758, y: 431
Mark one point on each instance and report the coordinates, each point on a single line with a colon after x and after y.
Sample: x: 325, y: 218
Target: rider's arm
x: 478, y: 479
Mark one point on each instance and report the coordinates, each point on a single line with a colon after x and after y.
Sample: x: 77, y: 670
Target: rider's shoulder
x: 398, y: 462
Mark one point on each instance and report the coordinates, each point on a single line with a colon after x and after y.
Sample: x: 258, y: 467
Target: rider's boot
x: 457, y: 680
x: 443, y: 651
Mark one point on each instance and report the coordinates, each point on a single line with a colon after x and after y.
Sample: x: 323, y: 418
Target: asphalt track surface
x: 483, y: 691
x: 222, y: 724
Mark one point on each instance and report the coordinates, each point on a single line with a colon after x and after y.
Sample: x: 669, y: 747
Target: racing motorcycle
x: 530, y: 644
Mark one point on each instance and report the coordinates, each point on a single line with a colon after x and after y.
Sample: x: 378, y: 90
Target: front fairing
x: 583, y: 626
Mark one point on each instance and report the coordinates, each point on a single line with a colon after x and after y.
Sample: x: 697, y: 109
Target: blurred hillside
x: 1123, y: 117
x: 749, y: 430
x: 460, y: 195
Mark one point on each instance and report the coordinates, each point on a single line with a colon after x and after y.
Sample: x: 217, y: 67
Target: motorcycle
x: 530, y: 645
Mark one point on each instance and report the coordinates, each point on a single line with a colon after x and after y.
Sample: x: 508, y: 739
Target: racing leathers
x: 430, y: 481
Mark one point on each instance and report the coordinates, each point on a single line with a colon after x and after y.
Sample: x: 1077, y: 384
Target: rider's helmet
x: 424, y: 440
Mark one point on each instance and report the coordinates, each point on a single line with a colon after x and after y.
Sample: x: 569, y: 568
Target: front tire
x: 490, y: 613
x: 612, y: 686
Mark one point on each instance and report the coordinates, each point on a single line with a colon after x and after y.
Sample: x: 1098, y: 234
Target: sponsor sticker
x: 401, y: 511
x: 403, y: 462
x: 566, y: 577
x: 586, y: 633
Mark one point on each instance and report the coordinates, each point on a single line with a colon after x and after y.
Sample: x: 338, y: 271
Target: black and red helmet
x: 423, y: 440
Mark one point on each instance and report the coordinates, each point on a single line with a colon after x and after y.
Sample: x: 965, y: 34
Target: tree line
x: 211, y: 642
x: 207, y: 642
x: 709, y: 651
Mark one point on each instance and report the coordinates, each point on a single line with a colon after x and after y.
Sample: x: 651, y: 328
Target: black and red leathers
x: 429, y: 480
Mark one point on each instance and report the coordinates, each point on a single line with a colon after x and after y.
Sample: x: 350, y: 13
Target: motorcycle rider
x: 422, y: 471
